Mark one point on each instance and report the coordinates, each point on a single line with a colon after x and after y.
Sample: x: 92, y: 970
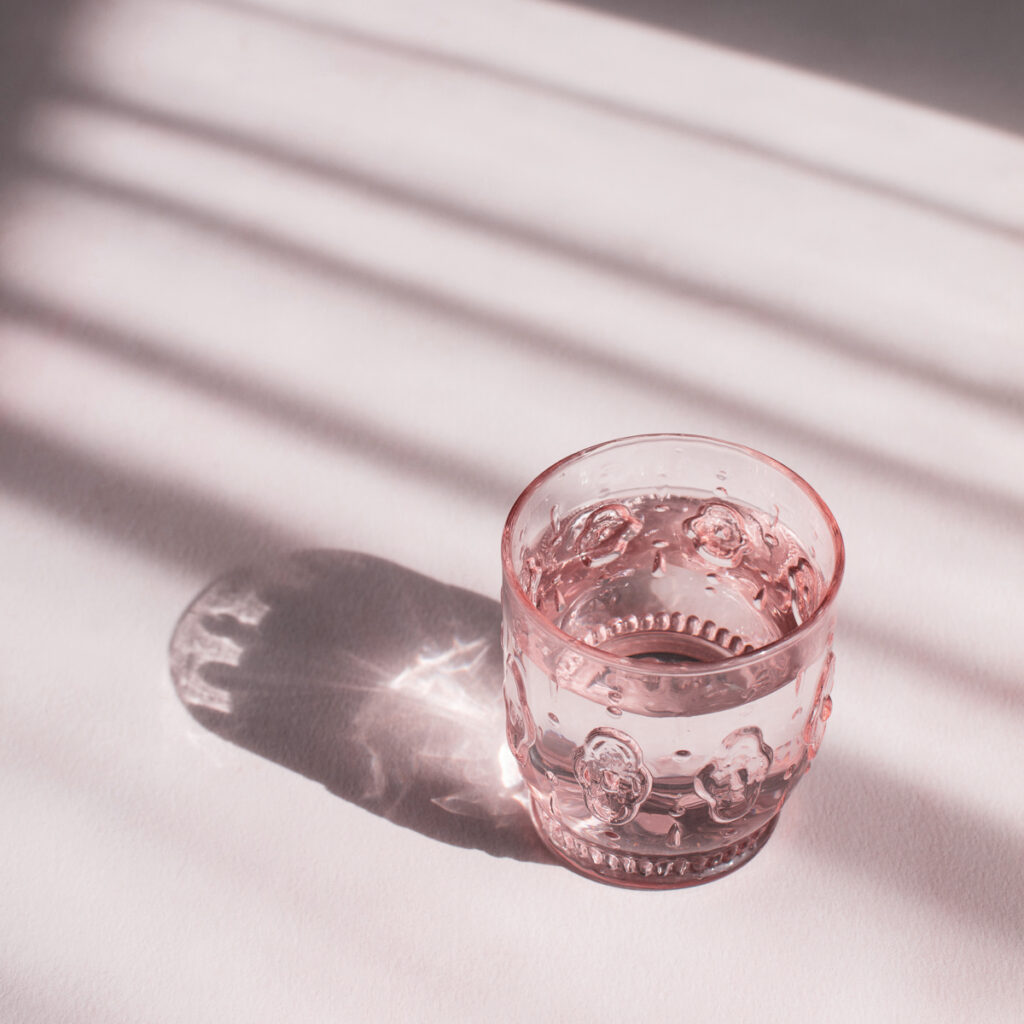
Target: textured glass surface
x: 668, y: 627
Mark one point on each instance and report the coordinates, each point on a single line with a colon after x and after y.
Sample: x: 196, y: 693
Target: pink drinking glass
x: 667, y: 625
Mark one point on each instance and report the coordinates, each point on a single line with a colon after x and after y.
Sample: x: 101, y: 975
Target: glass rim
x: 623, y: 663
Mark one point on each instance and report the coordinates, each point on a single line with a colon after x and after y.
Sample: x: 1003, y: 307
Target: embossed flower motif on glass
x: 604, y: 534
x: 610, y: 768
x: 664, y: 599
x: 731, y: 782
x: 718, y: 534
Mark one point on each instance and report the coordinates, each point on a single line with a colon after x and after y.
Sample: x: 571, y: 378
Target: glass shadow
x: 380, y: 683
x: 385, y: 686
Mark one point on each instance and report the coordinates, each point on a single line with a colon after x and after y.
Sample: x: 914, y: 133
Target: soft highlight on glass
x: 668, y: 618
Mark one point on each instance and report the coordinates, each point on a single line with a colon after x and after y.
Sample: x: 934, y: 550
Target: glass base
x: 614, y: 867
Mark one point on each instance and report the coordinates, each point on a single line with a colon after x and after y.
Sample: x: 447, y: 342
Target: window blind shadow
x: 964, y: 59
x: 515, y: 333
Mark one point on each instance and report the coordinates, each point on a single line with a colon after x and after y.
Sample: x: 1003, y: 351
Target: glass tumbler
x: 667, y: 626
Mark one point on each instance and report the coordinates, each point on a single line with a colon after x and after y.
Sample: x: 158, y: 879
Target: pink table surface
x: 284, y: 275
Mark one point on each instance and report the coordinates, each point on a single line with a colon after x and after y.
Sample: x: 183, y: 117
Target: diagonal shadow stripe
x: 946, y: 666
x: 814, y: 333
x: 989, y: 503
x: 548, y: 89
x: 892, y: 829
x: 156, y: 357
x: 30, y: 47
x: 159, y: 357
x: 171, y: 524
x: 962, y: 59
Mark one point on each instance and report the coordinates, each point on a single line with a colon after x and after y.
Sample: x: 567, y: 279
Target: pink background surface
x: 285, y: 274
